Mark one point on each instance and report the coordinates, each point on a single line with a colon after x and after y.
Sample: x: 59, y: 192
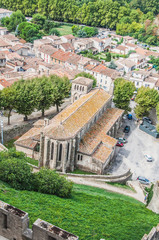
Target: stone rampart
x: 106, y: 178
x: 15, y: 131
x: 14, y: 224
x: 153, y: 234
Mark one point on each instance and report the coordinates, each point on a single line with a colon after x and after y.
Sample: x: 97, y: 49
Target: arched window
x: 80, y: 88
x: 52, y: 151
x: 75, y: 87
x: 83, y: 89
x: 68, y: 148
x: 60, y: 152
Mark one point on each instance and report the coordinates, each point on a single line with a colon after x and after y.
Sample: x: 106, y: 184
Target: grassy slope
x: 64, y: 30
x: 91, y: 213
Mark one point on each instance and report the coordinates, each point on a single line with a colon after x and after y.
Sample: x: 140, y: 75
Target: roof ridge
x: 80, y: 105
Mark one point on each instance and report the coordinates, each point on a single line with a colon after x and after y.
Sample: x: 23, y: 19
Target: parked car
x: 133, y: 98
x: 122, y: 140
x: 147, y: 119
x: 148, y: 158
x: 129, y: 116
x: 124, y: 117
x: 119, y: 144
x: 127, y: 129
x: 143, y: 180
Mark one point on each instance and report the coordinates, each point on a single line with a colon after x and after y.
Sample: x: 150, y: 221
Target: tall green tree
x: 39, y: 20
x: 146, y: 99
x: 61, y: 90
x: 8, y: 96
x: 25, y: 99
x: 14, y: 20
x: 123, y: 92
x: 43, y: 91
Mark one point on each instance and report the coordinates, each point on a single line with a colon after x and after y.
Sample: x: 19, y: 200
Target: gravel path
x: 137, y: 194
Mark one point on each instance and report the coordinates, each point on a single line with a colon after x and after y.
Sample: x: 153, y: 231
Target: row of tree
x: 91, y: 12
x: 14, y: 170
x: 146, y: 98
x: 26, y: 96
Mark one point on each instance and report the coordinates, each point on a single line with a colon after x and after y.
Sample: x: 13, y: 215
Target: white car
x: 148, y: 158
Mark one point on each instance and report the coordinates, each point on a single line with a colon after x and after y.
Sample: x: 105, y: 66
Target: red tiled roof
x: 4, y: 83
x: 61, y: 55
x: 69, y: 122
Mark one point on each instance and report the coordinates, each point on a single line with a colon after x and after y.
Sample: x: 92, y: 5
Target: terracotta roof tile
x: 69, y: 122
x: 4, y: 83
x: 98, y: 132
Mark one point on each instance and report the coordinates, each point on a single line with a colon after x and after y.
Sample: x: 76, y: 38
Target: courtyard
x: 131, y: 156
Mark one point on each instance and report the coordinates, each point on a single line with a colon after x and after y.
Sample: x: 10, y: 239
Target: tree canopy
x: 146, y: 99
x: 123, y: 92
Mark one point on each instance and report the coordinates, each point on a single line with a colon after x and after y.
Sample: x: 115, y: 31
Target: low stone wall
x: 153, y: 234
x: 14, y: 224
x: 16, y: 131
x: 106, y: 178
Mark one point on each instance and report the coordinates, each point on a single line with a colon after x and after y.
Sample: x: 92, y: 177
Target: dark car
x: 129, y: 116
x: 143, y: 180
x: 127, y: 129
x: 147, y: 119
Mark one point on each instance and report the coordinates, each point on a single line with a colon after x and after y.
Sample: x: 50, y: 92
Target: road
x: 131, y: 156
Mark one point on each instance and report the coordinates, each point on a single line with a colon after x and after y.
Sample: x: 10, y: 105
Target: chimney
x: 46, y: 122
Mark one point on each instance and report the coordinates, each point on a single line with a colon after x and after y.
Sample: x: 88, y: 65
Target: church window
x: 78, y: 157
x: 81, y: 157
x: 60, y: 152
x: 83, y: 89
x: 37, y: 147
x: 68, y: 148
x: 52, y: 151
x: 75, y: 87
x: 80, y: 88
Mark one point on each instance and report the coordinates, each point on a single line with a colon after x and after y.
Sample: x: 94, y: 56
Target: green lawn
x: 64, y: 30
x: 91, y: 213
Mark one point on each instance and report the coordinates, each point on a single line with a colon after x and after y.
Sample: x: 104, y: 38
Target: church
x: 80, y: 136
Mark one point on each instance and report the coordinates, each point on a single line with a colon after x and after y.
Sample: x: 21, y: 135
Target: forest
x: 106, y: 13
x: 127, y: 17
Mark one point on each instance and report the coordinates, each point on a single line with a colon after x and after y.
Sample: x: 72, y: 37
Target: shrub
x: 17, y: 173
x: 11, y: 153
x: 48, y: 181
x: 150, y: 194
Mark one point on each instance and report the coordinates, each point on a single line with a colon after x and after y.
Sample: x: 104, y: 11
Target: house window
x: 80, y: 88
x: 101, y: 80
x: 52, y: 151
x: 5, y: 221
x: 83, y: 89
x: 105, y: 82
x: 78, y: 157
x: 137, y: 83
x: 75, y: 87
x: 81, y: 157
x: 55, y: 60
x: 60, y: 152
